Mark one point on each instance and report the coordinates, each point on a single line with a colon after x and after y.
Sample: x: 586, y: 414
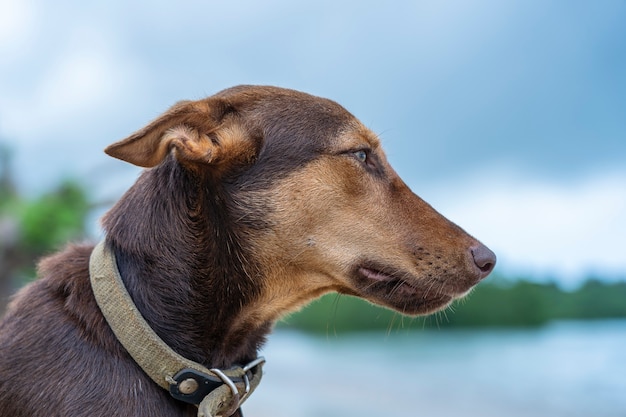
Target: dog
x: 254, y: 201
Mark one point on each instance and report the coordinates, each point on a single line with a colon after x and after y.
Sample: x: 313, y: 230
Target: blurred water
x: 565, y: 369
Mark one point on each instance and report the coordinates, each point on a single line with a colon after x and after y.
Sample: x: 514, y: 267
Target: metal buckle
x: 237, y: 399
x: 192, y: 386
x: 258, y: 361
x: 233, y: 388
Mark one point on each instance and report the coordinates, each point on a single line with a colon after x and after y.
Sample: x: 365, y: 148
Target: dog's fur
x: 257, y: 200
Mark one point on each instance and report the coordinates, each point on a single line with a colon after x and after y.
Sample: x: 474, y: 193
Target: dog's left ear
x: 197, y: 132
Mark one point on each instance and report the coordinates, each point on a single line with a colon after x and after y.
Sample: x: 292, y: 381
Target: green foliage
x: 54, y: 218
x: 595, y: 299
x: 522, y: 304
x: 493, y: 303
x: 7, y: 189
x: 33, y: 227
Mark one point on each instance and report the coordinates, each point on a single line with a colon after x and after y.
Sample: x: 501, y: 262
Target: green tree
x: 33, y: 227
x: 54, y: 218
x: 498, y: 302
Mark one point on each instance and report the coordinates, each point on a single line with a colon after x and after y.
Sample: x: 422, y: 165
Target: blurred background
x: 508, y: 117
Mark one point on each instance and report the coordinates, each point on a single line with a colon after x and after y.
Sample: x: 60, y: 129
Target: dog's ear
x: 196, y: 131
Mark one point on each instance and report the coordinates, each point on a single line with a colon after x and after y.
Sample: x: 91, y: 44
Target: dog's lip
x: 405, y: 282
x: 376, y: 274
x: 387, y: 275
x: 399, y: 290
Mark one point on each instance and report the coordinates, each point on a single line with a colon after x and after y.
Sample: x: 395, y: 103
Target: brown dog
x: 257, y: 200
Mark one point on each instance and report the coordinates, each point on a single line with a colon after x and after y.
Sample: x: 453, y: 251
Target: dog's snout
x: 484, y: 259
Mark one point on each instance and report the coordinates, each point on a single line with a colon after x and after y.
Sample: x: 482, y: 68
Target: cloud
x: 18, y: 20
x: 76, y: 83
x: 65, y: 81
x: 536, y: 86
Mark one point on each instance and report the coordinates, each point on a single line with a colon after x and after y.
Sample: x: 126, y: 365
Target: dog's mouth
x: 401, y: 291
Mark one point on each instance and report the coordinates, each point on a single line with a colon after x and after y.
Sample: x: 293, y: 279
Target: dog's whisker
x: 390, y: 326
x: 445, y: 314
x: 428, y: 289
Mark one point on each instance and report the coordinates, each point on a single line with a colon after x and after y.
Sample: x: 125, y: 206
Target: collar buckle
x: 192, y: 386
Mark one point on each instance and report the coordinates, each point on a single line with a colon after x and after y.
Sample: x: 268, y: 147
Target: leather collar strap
x: 216, y: 392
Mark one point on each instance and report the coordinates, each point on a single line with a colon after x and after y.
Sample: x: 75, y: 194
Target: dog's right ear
x: 194, y: 130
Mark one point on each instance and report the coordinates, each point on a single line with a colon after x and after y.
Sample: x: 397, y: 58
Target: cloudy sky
x: 507, y: 116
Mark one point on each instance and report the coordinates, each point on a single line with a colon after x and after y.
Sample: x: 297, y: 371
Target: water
x: 573, y: 369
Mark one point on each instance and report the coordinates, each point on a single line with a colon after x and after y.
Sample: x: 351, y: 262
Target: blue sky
x: 508, y: 116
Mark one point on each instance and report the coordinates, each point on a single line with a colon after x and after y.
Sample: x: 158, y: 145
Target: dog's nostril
x: 484, y: 259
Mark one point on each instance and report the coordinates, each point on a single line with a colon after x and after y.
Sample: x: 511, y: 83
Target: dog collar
x: 214, y: 391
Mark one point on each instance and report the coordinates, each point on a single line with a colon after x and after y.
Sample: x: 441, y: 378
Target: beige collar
x: 216, y: 392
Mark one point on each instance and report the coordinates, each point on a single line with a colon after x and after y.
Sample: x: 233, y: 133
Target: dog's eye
x: 361, y: 155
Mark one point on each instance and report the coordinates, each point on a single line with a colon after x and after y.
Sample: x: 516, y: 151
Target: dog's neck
x: 183, y: 266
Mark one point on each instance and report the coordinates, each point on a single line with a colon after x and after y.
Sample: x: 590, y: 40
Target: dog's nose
x: 484, y: 259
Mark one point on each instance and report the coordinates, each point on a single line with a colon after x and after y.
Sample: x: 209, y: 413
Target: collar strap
x: 216, y: 392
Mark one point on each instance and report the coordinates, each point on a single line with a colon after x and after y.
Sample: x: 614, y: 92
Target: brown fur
x: 256, y: 201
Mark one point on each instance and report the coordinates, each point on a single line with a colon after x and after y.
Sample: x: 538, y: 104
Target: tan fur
x: 330, y: 215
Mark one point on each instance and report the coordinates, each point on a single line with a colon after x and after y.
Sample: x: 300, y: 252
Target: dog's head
x: 309, y: 190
